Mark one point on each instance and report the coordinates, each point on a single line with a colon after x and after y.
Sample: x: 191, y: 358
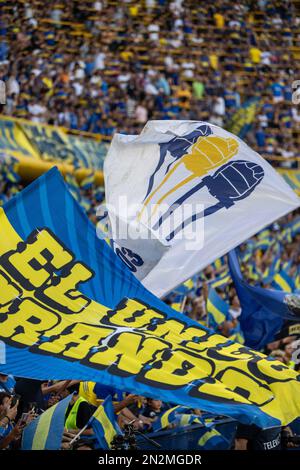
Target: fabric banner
x: 193, y: 192
x: 54, y: 144
x: 13, y: 142
x: 70, y: 309
x: 25, y: 139
x: 242, y: 120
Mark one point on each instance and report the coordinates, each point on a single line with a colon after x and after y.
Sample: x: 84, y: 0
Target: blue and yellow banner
x: 37, y: 147
x: 54, y: 144
x: 242, y: 120
x: 70, y: 309
x: 13, y: 141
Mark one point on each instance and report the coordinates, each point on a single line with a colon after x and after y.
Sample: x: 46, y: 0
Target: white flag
x: 184, y: 193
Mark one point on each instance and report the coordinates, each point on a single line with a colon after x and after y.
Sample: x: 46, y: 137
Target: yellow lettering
x: 62, y: 291
x: 180, y: 369
x: 28, y: 324
x: 129, y: 352
x: 78, y: 342
x: 33, y: 265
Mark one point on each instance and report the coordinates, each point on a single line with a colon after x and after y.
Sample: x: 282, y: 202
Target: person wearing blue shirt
x: 7, y: 383
x: 260, y: 137
x: 277, y: 90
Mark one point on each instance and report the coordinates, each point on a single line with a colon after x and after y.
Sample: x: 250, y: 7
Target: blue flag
x: 217, y: 309
x: 45, y: 432
x: 167, y: 417
x: 263, y: 310
x: 104, y: 424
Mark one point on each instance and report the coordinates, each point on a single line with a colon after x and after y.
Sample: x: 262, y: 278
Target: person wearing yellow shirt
x: 214, y: 61
x: 134, y: 10
x: 126, y: 55
x: 255, y: 55
x: 219, y: 20
x: 184, y: 96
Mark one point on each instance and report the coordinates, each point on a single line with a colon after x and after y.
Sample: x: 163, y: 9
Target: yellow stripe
x: 109, y: 430
x: 189, y: 283
x: 42, y: 430
x: 282, y: 283
x: 165, y: 418
x: 217, y: 314
x: 208, y: 435
x: 221, y: 281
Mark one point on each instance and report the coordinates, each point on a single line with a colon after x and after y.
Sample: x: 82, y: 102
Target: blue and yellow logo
x: 195, y: 155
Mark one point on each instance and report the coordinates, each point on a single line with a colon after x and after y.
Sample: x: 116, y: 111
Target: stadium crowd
x: 103, y: 66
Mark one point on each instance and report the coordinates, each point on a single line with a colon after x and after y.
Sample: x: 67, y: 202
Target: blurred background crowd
x: 102, y: 66
x: 105, y: 66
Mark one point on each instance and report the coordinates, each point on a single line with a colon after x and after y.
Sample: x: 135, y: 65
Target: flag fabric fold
x: 184, y: 193
x: 263, y: 310
x: 71, y: 309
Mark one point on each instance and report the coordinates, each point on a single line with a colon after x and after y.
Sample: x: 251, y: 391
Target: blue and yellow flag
x: 212, y: 439
x: 221, y: 281
x: 88, y: 181
x: 45, y: 432
x: 283, y: 281
x: 70, y: 308
x: 242, y: 120
x: 168, y: 417
x: 217, y: 309
x: 104, y: 424
x: 185, y: 419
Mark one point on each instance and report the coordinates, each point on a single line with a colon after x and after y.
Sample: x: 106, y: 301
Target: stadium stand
x: 99, y: 67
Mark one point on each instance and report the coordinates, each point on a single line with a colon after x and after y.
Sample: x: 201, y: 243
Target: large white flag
x: 183, y: 193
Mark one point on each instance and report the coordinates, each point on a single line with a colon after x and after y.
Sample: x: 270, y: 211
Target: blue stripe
x: 25, y: 227
x: 28, y: 435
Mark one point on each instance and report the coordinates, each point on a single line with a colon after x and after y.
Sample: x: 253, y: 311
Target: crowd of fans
x: 102, y: 66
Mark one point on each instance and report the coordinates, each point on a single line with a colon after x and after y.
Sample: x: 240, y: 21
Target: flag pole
x: 79, y: 434
x: 183, y: 304
x: 156, y: 444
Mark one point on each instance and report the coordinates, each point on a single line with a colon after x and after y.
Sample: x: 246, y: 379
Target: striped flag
x: 104, y: 424
x: 283, y: 281
x: 217, y: 309
x: 221, y: 281
x: 213, y: 439
x: 88, y: 181
x: 188, y: 419
x: 45, y: 432
x: 168, y: 417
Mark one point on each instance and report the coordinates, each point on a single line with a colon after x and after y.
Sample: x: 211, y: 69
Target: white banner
x: 184, y: 193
